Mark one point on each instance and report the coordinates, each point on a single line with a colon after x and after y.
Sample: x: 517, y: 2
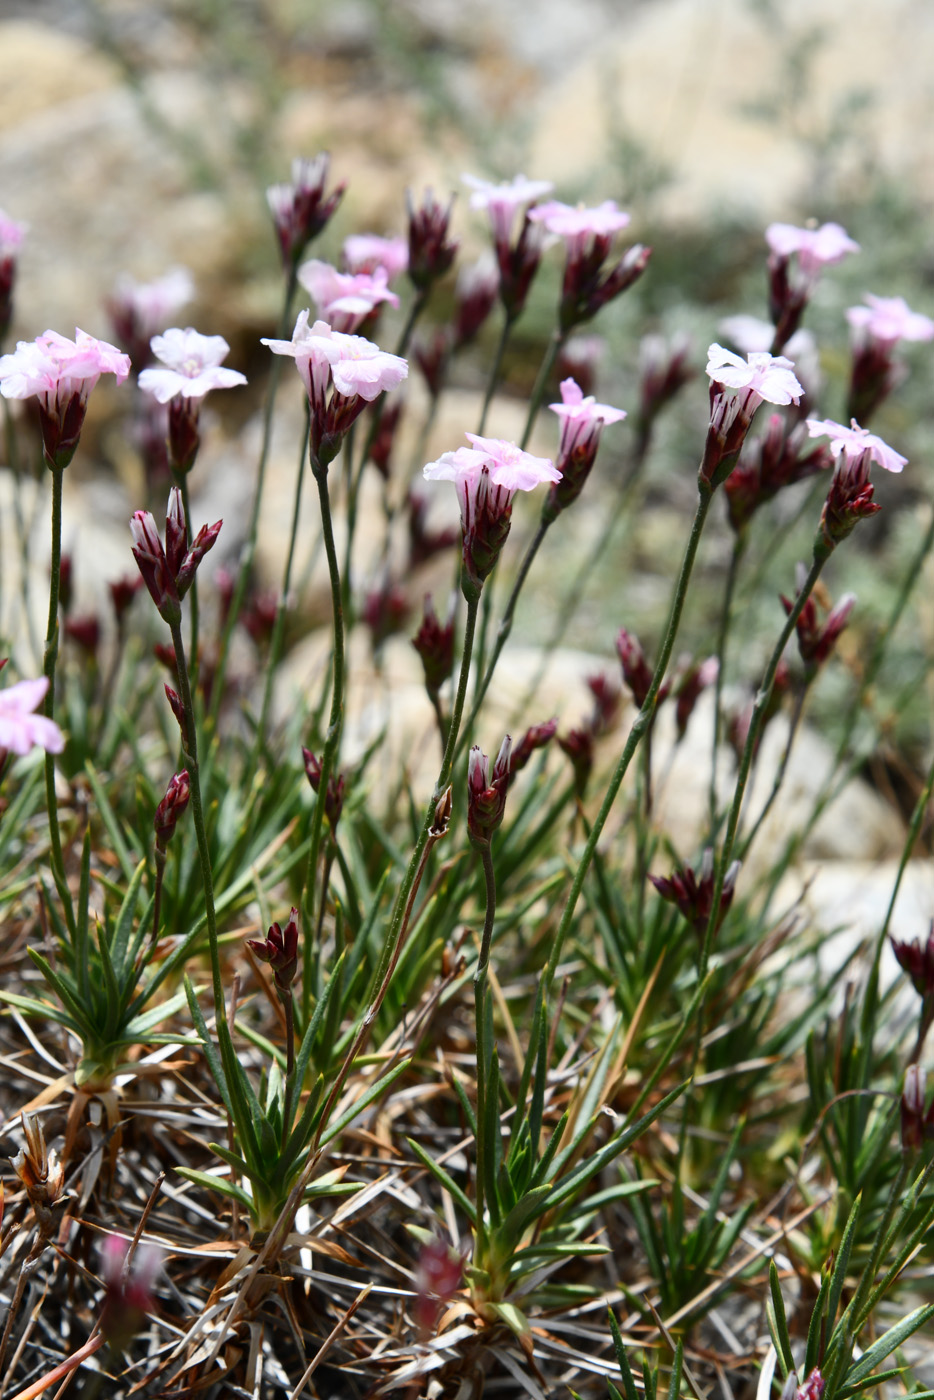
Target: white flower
x: 193, y: 366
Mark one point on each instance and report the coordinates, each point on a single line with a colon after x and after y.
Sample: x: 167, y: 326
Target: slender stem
x: 555, y: 343
x: 749, y: 748
x: 181, y: 480
x: 50, y: 658
x: 396, y: 925
x: 723, y: 631
x: 781, y: 770
x: 637, y: 732
x: 914, y: 830
x: 190, y: 750
x: 249, y: 549
x: 486, y: 939
x: 505, y: 626
x: 335, y: 724
x: 278, y: 631
x: 289, y: 1008
x: 494, y: 373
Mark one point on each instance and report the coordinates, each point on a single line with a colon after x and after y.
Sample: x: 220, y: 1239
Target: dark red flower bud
x: 636, y: 670
x: 578, y: 745
x: 849, y: 499
x: 122, y: 592
x: 173, y: 698
x: 334, y: 799
x: 917, y: 959
x: 300, y: 210
x: 385, y: 611
x: 486, y: 792
x: 538, y: 736
x: 687, y: 689
x: 173, y: 804
x: 259, y: 617
x: 474, y: 299
x: 424, y: 544
x: 184, y: 434
x: 431, y: 252
x: 693, y: 894
x: 431, y: 354
x: 434, y: 642
x: 917, y: 1125
x: 384, y: 440
x: 86, y: 631
x: 65, y: 583
x: 280, y: 949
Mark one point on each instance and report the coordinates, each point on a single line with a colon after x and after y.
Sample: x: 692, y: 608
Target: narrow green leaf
x: 622, y: 1360
x: 781, y: 1338
x: 446, y: 1180
x: 217, y: 1183
x: 374, y: 1092
x: 887, y: 1343
x: 842, y: 1263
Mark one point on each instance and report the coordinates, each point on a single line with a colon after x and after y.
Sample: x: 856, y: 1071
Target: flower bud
x: 280, y: 949
x: 694, y: 895
x: 172, y: 806
x: 486, y: 792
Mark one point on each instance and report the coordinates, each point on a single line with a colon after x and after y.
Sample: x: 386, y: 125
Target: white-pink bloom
x: 887, y: 320
x: 853, y: 441
x: 345, y: 298
x: 12, y: 233
x: 192, y: 366
x: 579, y: 226
x: 509, y: 466
x: 20, y: 728
x: 152, y: 304
x: 52, y: 367
x: 503, y: 201
x: 365, y: 252
x: 764, y: 376
x: 364, y: 369
x: 314, y: 348
x: 816, y: 248
x: 575, y: 409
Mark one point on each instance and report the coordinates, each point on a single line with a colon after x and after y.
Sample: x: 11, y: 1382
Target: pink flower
x: 579, y: 227
x: 345, y: 298
x: 487, y: 477
x: 816, y: 248
x: 759, y: 376
x: 853, y: 441
x: 365, y: 252
x: 888, y: 319
x: 60, y: 373
x: 12, y: 234
x: 193, y: 366
x: 358, y: 369
x: 509, y: 466
x: 763, y: 376
x: 140, y: 310
x: 20, y: 728
x: 582, y: 422
x: 502, y: 202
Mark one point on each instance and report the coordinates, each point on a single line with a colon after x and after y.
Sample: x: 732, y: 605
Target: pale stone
x: 679, y: 78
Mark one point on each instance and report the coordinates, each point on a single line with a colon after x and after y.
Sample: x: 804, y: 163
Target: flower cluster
x: 280, y: 949
x: 816, y: 640
x: 169, y: 572
x: 347, y: 300
x: 300, y: 209
x: 790, y: 285
x: 517, y: 258
x: 693, y: 893
x: 779, y: 458
x: 588, y: 236
x: 486, y: 792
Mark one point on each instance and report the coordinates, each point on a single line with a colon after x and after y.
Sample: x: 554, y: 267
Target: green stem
x: 335, y: 724
x: 486, y: 939
x: 278, y: 631
x: 555, y: 343
x: 505, y: 627
x: 50, y: 659
x: 494, y: 373
x: 442, y: 781
x: 781, y: 771
x: 181, y: 481
x: 749, y: 748
x: 637, y: 732
x: 914, y: 830
x: 190, y: 750
x: 288, y: 1007
x: 249, y: 550
x: 723, y: 631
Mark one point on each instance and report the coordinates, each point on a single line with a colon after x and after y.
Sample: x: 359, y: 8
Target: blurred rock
x: 707, y: 94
